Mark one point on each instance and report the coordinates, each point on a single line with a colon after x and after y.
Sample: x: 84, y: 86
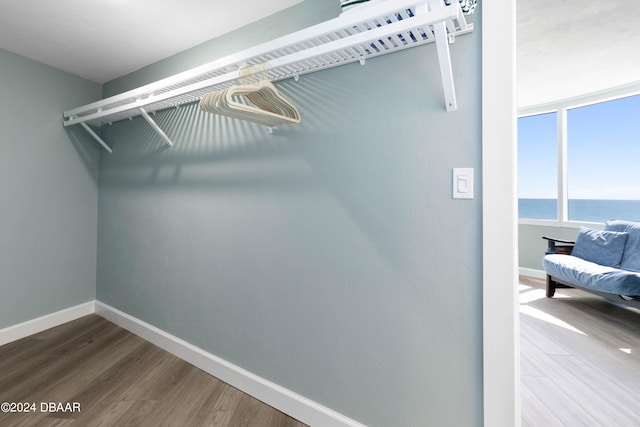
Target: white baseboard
x: 30, y: 327
x: 530, y: 272
x: 284, y: 400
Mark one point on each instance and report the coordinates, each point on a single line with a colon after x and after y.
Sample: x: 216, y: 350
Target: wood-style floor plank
x: 118, y: 379
x: 580, y: 359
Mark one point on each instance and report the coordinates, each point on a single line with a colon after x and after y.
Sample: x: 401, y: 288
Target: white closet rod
x: 361, y: 33
x: 296, y: 57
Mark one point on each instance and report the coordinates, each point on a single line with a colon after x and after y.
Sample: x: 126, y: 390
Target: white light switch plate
x: 463, y: 183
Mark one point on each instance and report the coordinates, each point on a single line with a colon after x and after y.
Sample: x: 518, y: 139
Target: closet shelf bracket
x: 155, y: 126
x: 444, y: 60
x: 96, y: 137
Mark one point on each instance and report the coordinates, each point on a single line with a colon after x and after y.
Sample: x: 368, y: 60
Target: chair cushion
x: 587, y: 274
x: 602, y: 247
x: 631, y: 256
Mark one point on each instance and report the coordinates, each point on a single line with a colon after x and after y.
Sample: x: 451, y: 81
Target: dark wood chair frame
x: 557, y: 246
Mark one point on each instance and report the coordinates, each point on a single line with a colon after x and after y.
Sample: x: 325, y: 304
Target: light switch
x: 463, y: 183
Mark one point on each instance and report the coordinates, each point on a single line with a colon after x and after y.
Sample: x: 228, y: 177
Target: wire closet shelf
x: 356, y: 35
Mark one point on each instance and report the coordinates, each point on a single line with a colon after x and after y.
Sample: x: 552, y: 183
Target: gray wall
x: 298, y: 17
x: 48, y: 191
x: 328, y: 257
x: 531, y: 246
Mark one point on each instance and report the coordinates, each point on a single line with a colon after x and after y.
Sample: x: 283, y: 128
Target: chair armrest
x: 565, y: 248
x: 553, y: 239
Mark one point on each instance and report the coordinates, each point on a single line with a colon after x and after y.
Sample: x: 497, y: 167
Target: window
x: 603, y: 149
x: 599, y: 172
x: 537, y: 166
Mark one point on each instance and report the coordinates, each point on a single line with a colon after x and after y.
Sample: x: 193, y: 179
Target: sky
x: 603, y: 145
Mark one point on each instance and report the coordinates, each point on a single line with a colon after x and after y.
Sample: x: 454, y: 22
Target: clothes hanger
x: 265, y: 104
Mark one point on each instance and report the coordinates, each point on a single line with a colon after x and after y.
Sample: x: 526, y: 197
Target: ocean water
x: 581, y: 209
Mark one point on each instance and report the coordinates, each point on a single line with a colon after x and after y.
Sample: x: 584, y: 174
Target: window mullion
x: 563, y: 194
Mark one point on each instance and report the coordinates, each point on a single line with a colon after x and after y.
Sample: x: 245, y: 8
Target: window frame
x: 561, y: 108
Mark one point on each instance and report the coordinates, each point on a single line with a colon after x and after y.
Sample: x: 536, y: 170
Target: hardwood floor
x: 580, y: 359
x: 580, y: 366
x: 118, y: 379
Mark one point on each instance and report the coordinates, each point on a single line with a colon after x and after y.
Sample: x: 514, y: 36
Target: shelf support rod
x: 444, y: 60
x: 96, y: 137
x: 155, y: 127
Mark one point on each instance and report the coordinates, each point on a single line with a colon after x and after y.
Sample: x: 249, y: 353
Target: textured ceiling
x: 567, y: 48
